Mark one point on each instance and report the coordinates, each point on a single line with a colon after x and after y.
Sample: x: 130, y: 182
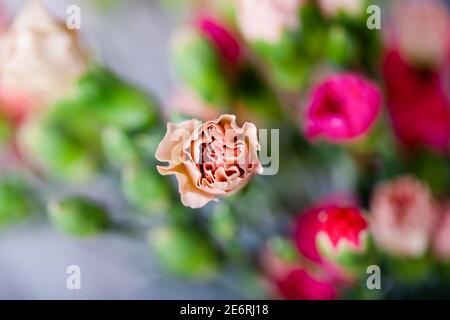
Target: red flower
x: 301, y: 285
x: 418, y: 104
x: 329, y: 235
x: 343, y: 107
x: 222, y: 38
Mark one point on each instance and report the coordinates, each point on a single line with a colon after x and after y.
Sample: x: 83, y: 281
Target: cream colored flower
x: 403, y: 217
x: 267, y: 19
x: 211, y: 159
x: 39, y: 57
x: 332, y: 8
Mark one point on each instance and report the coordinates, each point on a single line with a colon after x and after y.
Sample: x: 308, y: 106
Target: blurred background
x: 365, y: 130
x: 130, y: 37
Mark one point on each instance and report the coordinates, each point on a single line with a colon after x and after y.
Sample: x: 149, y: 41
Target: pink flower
x: 418, y: 104
x: 210, y: 160
x: 296, y: 279
x: 403, y: 217
x: 441, y: 239
x: 325, y: 234
x: 266, y: 20
x: 301, y: 285
x: 421, y: 32
x: 222, y: 38
x: 343, y: 107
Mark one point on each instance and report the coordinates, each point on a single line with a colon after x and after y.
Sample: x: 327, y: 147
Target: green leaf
x: 185, y: 253
x: 78, y: 216
x: 15, y: 203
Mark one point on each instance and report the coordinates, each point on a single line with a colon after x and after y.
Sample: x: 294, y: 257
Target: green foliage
x: 77, y: 216
x: 184, y: 252
x: 15, y: 199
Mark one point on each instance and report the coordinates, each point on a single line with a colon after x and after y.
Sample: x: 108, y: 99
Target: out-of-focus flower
x: 418, y: 104
x: 223, y: 39
x: 267, y: 19
x: 39, y: 61
x: 342, y: 108
x: 421, y: 31
x: 292, y: 277
x: 441, y: 240
x: 301, y: 285
x: 210, y: 160
x: 403, y: 217
x: 332, y: 8
x: 331, y: 235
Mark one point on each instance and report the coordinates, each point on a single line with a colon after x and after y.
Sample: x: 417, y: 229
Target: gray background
x: 132, y: 39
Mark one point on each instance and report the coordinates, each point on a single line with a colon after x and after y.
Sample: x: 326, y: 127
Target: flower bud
x: 58, y: 154
x: 78, y: 216
x: 200, y: 67
x: 15, y: 205
x: 144, y: 188
x: 185, y: 253
x: 118, y: 148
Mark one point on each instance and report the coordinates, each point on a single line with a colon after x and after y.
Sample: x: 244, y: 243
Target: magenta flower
x: 418, y: 104
x: 441, y: 238
x: 222, y: 38
x: 299, y: 284
x: 342, y: 108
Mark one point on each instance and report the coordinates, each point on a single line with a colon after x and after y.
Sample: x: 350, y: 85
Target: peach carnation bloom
x: 332, y: 8
x: 267, y: 19
x: 441, y: 241
x: 39, y: 60
x: 211, y: 159
x: 403, y: 217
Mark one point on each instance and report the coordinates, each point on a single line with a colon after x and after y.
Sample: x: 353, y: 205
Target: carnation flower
x: 403, y: 217
x: 332, y: 8
x: 39, y: 61
x: 422, y: 31
x: 343, y: 107
x: 328, y: 234
x: 299, y: 284
x: 210, y: 160
x: 266, y: 20
x: 418, y: 104
x: 223, y: 39
x: 441, y: 240
x: 296, y: 279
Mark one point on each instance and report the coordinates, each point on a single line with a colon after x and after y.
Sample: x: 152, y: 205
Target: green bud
x: 144, y: 188
x: 5, y: 130
x: 223, y: 224
x: 184, y: 253
x: 284, y: 249
x: 58, y: 154
x: 199, y: 66
x: 118, y: 148
x: 340, y: 47
x: 78, y: 216
x: 15, y: 205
